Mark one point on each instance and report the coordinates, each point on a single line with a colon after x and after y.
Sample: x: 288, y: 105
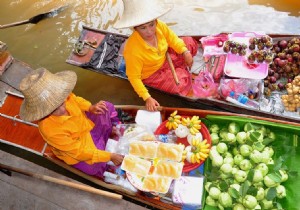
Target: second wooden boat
x: 90, y: 39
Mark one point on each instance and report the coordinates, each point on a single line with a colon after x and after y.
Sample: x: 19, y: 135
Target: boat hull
x: 190, y: 101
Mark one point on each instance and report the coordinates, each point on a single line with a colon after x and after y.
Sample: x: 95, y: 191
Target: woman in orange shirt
x: 146, y: 48
x: 76, y: 130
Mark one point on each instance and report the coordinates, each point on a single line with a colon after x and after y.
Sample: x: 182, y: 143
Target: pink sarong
x: 163, y: 78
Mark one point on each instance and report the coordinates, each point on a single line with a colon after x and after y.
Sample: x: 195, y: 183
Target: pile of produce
x: 235, y: 47
x: 285, y: 66
x: 189, y: 127
x: 244, y: 170
x: 291, y: 101
x: 260, y: 49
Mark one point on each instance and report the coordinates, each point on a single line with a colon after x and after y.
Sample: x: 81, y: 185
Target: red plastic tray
x: 162, y: 129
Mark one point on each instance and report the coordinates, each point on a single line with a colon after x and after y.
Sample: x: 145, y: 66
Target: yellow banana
x: 177, y: 121
x: 205, y: 150
x: 194, y: 130
x: 200, y: 150
x: 195, y: 118
x: 197, y: 141
x: 205, y: 146
x: 197, y: 126
x: 203, y: 155
x: 193, y: 158
x: 184, y: 121
x: 173, y: 120
x: 193, y: 141
x: 183, y: 158
x: 168, y: 125
x: 174, y: 113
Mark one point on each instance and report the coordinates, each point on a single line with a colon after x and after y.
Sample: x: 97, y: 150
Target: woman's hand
x: 188, y: 58
x: 151, y: 104
x: 98, y: 108
x: 116, y: 158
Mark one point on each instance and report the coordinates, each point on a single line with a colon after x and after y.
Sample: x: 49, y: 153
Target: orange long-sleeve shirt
x: 70, y: 136
x: 143, y: 60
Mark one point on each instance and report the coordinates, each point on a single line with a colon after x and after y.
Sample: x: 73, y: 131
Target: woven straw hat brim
x: 44, y: 92
x: 138, y: 12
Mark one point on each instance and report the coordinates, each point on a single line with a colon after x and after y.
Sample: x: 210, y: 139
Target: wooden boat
x: 19, y: 137
x: 89, y: 35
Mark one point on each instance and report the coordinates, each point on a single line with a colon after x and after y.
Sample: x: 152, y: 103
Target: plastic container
x: 167, y: 138
x: 237, y: 66
x: 213, y: 45
x: 242, y: 100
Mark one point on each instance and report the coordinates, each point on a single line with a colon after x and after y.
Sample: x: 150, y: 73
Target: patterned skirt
x: 163, y: 79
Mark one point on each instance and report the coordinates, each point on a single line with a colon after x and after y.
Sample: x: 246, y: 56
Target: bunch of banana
x: 197, y: 152
x: 173, y: 121
x: 193, y: 124
x: 184, y: 154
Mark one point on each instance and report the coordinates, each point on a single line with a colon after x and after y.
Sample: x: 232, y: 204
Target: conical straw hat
x: 138, y: 12
x: 44, y: 92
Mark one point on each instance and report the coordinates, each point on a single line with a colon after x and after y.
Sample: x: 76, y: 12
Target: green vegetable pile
x: 244, y: 169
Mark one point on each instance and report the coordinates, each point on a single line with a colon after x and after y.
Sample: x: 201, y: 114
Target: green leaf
x: 252, y: 191
x: 255, y: 136
x: 276, y: 177
x: 244, y: 188
x: 250, y: 127
x: 258, y: 145
x: 278, y: 163
x: 267, y: 141
x: 271, y: 194
x: 213, y: 175
x: 233, y: 193
x: 223, y: 186
x: 250, y: 175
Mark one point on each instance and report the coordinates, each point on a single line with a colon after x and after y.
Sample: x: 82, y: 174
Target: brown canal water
x: 49, y: 43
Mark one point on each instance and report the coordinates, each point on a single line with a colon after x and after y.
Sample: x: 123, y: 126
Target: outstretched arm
x: 151, y: 104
